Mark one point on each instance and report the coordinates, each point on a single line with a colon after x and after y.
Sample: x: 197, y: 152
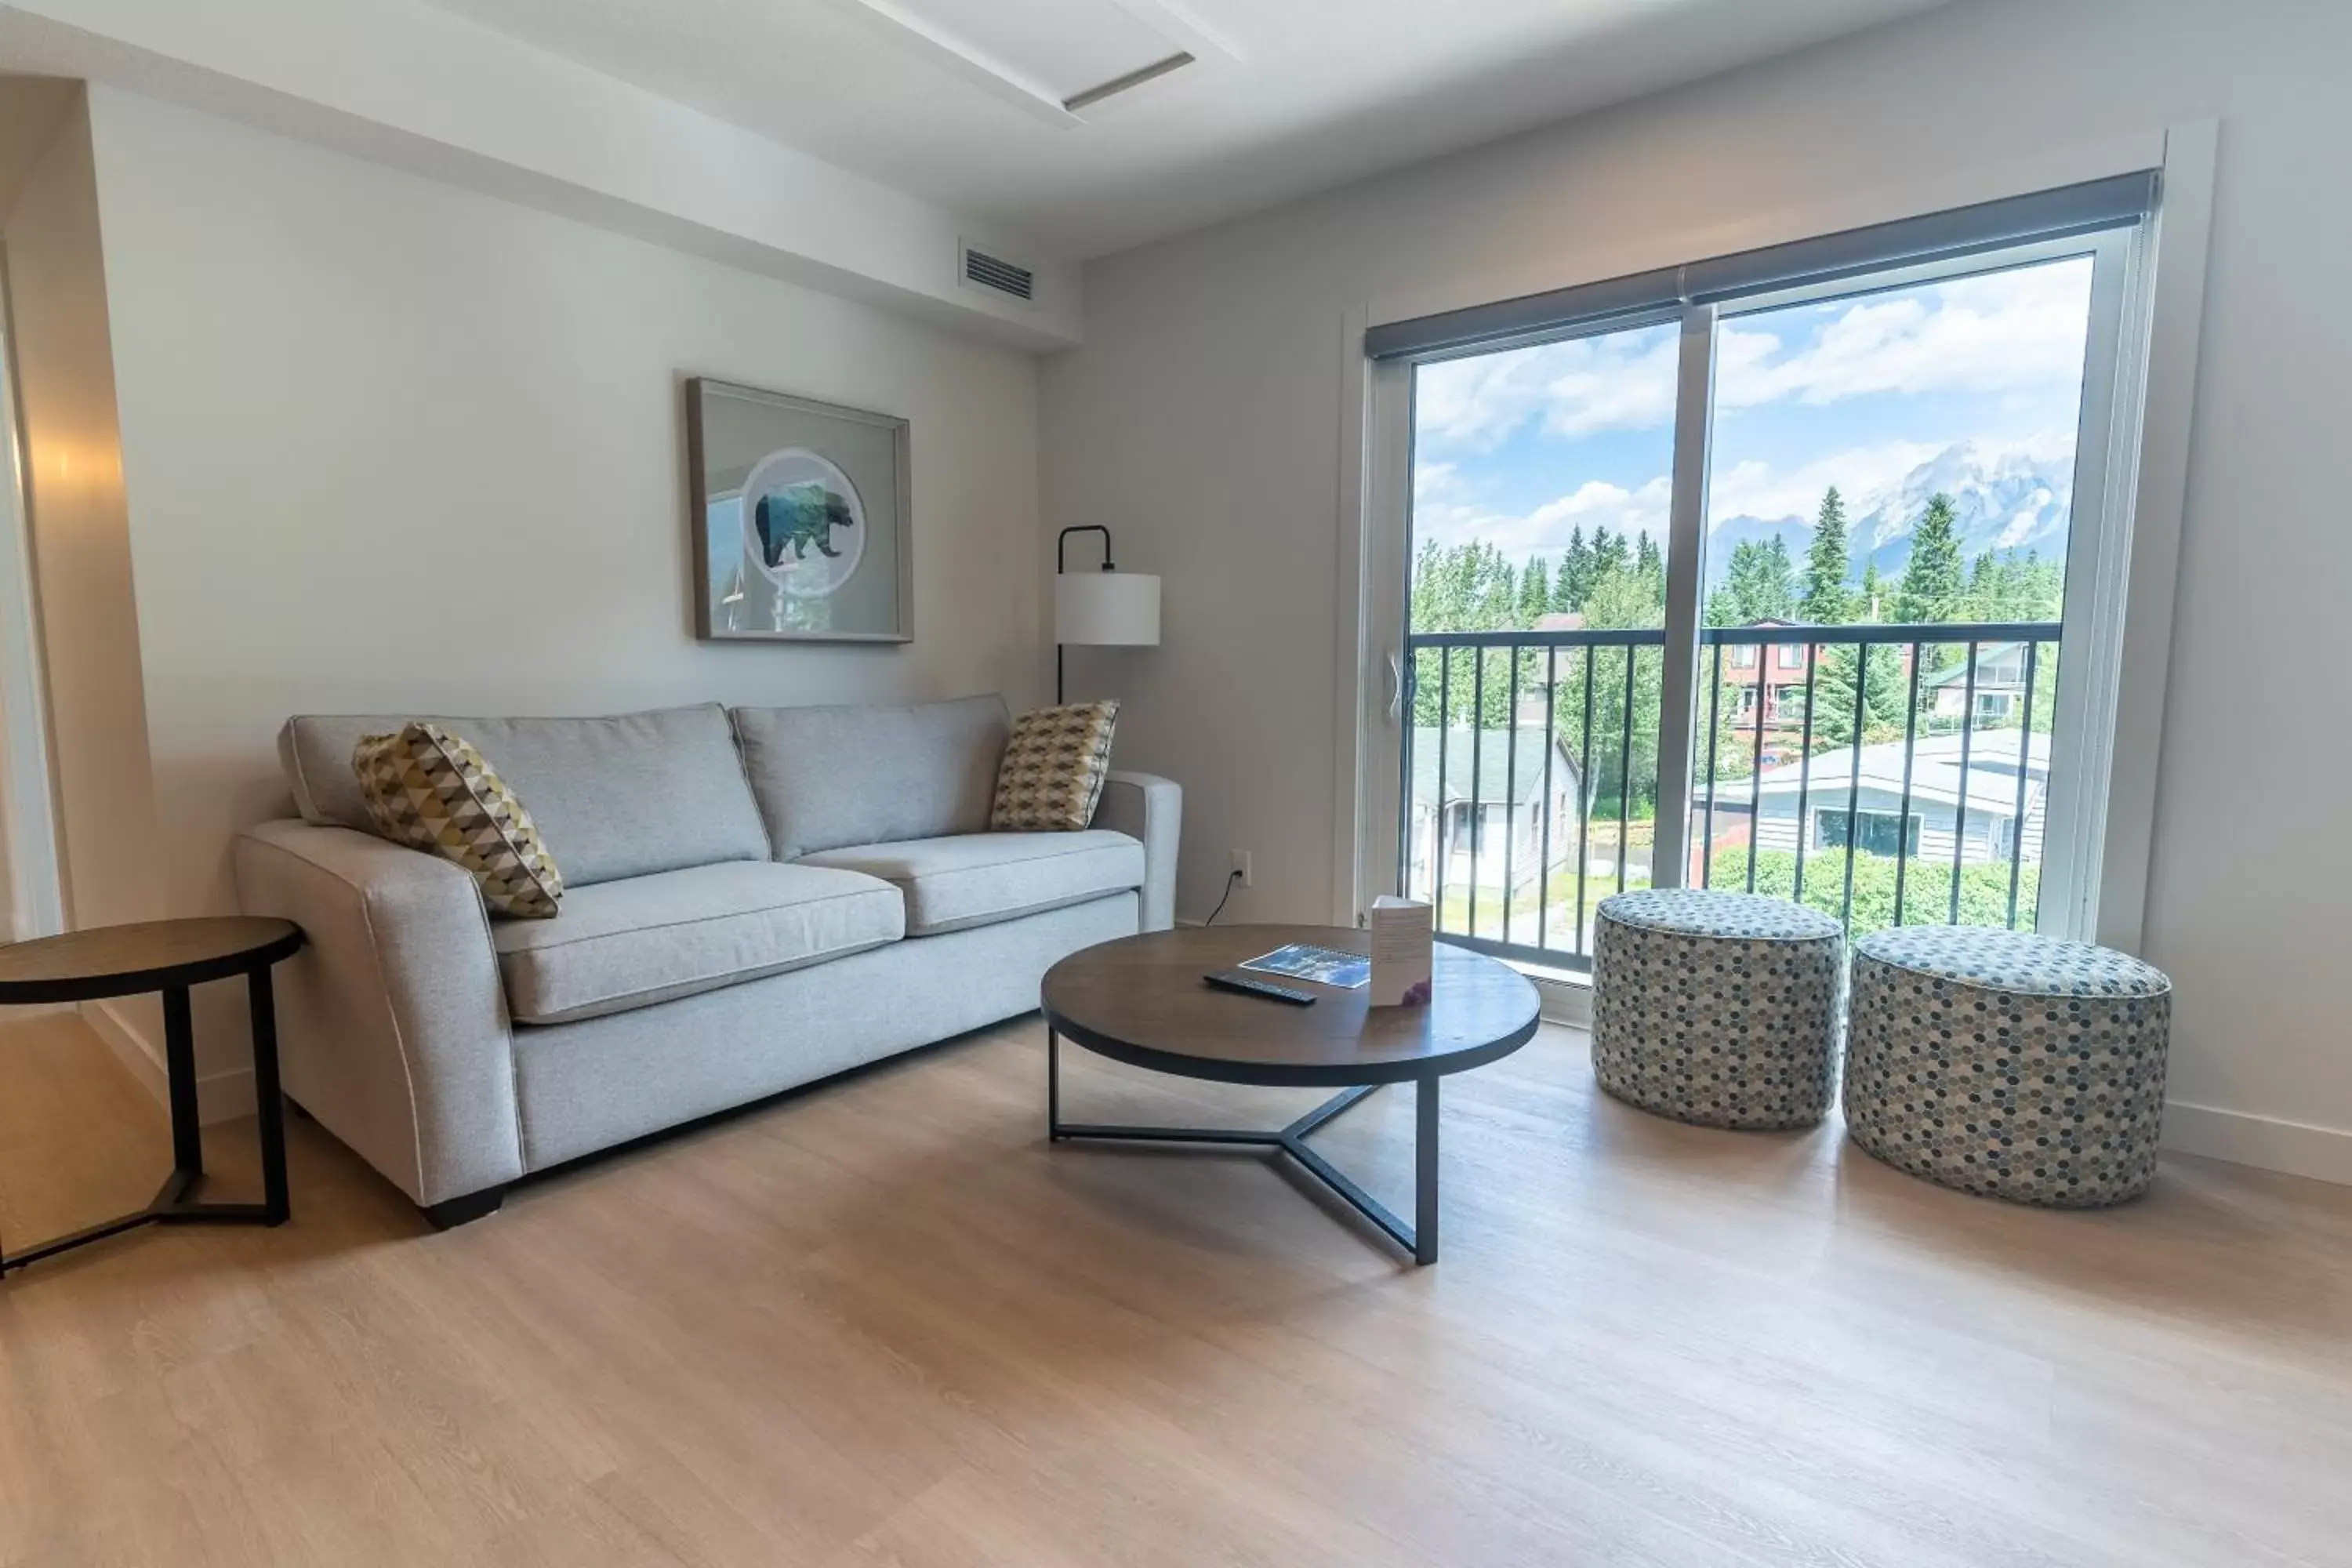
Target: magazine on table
x: 1324, y: 966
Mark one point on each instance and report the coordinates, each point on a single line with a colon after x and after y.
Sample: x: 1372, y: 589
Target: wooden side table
x: 170, y: 956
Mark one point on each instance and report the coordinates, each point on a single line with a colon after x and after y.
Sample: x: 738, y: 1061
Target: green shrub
x: 1927, y: 888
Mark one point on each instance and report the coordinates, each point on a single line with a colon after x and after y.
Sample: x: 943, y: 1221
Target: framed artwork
x: 801, y: 519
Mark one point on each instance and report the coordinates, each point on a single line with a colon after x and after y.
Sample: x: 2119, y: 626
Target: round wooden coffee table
x: 1141, y: 1000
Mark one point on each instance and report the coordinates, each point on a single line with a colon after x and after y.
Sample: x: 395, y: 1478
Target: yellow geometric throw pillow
x: 1053, y: 767
x: 432, y: 791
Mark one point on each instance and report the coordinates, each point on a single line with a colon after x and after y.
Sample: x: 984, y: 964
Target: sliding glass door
x: 1792, y: 591
x: 1537, y: 612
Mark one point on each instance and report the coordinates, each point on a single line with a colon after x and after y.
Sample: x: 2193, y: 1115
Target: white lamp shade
x: 1106, y: 609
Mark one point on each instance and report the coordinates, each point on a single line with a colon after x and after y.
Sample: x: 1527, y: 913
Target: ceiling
x: 959, y: 101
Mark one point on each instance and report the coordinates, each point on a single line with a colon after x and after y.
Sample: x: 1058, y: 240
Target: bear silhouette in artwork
x: 797, y: 516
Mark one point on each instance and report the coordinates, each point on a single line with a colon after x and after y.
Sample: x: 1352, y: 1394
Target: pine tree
x: 1759, y: 584
x: 1883, y: 703
x: 1646, y: 559
x: 1611, y: 552
x: 1575, y: 578
x: 2004, y: 588
x: 1775, y: 594
x: 1828, y: 559
x: 1934, y: 584
x: 1535, y: 592
x: 1870, y: 603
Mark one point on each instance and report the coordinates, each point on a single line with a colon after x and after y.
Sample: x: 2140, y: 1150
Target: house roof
x: 1934, y: 772
x: 1986, y: 653
x: 1495, y: 769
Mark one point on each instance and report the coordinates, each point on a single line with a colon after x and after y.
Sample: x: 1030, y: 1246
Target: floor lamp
x: 1105, y: 608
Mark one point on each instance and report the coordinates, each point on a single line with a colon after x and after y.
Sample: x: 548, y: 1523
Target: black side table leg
x: 1052, y: 1085
x: 180, y: 1066
x: 269, y: 1100
x: 1424, y: 1172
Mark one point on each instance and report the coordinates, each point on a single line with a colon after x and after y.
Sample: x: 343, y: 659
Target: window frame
x: 2150, y: 439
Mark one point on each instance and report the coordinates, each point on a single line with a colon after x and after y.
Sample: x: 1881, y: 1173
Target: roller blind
x: 2092, y: 207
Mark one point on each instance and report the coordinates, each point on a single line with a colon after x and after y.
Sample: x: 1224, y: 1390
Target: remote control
x: 1250, y: 986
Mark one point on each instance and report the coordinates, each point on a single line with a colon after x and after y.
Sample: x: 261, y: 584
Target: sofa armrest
x: 1148, y: 808
x: 392, y: 1027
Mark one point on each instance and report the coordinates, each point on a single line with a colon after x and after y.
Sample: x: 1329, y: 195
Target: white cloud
x: 1599, y: 504
x: 1544, y: 531
x: 2003, y: 332
x: 1624, y: 381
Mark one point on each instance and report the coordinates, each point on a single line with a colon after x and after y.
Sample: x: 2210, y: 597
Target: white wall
x: 1202, y: 419
x: 391, y: 446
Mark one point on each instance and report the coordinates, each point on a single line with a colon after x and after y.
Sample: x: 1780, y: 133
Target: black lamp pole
x: 1061, y: 554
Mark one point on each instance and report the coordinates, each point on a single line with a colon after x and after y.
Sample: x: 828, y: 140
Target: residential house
x: 2000, y: 686
x: 1848, y: 794
x: 1494, y: 808
x: 1775, y: 674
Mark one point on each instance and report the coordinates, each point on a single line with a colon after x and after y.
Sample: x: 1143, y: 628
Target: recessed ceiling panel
x: 1063, y: 47
x: 1055, y: 58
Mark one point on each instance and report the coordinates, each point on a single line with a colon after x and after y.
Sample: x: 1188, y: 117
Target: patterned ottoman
x: 2008, y: 1064
x: 1719, y: 1009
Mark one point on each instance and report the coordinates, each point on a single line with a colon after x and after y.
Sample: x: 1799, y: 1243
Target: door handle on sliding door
x: 1396, y: 686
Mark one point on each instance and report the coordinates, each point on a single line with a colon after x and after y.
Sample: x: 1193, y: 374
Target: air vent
x: 998, y: 276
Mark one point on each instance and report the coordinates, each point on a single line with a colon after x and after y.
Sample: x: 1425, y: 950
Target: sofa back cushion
x: 826, y: 777
x: 615, y: 797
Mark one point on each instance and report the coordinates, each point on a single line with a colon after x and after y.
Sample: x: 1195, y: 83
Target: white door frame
x: 34, y: 894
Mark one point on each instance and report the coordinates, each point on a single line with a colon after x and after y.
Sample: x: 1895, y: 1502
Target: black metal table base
x: 1419, y: 1239
x: 172, y: 1204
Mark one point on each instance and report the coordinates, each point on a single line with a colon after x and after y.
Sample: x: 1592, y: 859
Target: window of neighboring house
x: 1880, y: 835
x: 1995, y: 704
x: 1741, y: 656
x: 1792, y: 656
x: 1747, y: 699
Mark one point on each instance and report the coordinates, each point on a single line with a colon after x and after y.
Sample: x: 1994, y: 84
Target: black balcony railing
x: 1913, y: 760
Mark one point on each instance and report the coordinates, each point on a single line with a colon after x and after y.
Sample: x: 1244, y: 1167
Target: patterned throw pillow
x: 430, y: 790
x: 1053, y: 767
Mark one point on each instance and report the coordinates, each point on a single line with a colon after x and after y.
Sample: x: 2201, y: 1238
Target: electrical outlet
x: 1242, y: 865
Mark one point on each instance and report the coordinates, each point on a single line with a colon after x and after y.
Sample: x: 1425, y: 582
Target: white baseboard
x: 2298, y: 1148
x: 220, y: 1097
x: 1568, y: 1002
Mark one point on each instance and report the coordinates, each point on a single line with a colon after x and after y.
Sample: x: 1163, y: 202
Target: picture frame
x: 802, y: 518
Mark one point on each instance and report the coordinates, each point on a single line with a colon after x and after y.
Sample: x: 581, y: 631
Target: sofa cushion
x: 621, y: 796
x: 829, y: 777
x: 430, y: 790
x: 1051, y: 777
x: 630, y: 944
x: 978, y: 878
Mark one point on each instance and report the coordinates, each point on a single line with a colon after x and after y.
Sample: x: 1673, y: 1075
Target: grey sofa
x: 756, y: 899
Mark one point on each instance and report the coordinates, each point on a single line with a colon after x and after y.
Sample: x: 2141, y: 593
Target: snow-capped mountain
x: 2007, y: 498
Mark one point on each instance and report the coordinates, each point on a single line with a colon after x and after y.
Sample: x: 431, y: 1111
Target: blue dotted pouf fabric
x: 2008, y: 1064
x: 1716, y: 1008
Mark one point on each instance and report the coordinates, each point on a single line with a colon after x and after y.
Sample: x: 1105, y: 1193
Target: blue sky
x: 1984, y: 372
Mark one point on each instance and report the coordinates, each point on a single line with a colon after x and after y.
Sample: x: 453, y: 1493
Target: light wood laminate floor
x: 883, y: 1324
